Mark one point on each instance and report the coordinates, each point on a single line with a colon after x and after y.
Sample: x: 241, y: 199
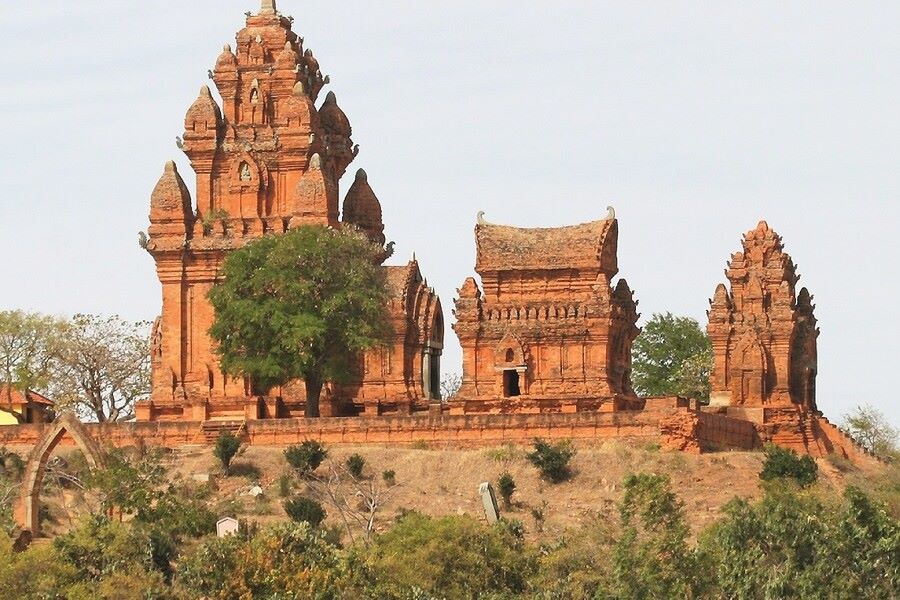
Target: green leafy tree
x: 447, y: 557
x: 29, y: 345
x: 569, y: 567
x: 227, y: 445
x: 552, y: 460
x: 782, y: 463
x: 306, y: 457
x: 301, y: 305
x: 868, y: 426
x: 103, y: 367
x: 288, y: 560
x: 797, y: 544
x: 672, y: 355
x: 691, y: 379
x: 11, y: 469
x: 139, y: 487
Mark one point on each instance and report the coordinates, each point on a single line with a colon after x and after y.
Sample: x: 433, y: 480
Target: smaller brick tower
x: 763, y: 334
x: 550, y: 333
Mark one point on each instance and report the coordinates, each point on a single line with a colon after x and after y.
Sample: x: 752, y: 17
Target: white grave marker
x: 227, y: 526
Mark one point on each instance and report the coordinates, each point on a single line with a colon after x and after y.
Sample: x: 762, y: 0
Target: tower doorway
x: 511, y: 383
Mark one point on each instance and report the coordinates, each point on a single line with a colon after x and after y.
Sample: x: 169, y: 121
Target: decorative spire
x: 362, y: 208
x: 268, y: 7
x: 171, y: 200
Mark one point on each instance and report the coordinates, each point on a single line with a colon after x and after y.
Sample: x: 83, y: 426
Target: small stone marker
x: 255, y: 491
x: 491, y: 511
x: 227, y: 526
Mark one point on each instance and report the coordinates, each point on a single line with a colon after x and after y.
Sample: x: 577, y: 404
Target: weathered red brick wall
x: 458, y: 430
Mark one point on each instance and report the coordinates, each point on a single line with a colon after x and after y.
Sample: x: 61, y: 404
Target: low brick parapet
x: 695, y: 431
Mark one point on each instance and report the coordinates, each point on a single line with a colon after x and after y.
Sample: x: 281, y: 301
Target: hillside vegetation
x: 630, y: 521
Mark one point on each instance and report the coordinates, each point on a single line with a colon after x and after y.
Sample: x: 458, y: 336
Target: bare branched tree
x: 450, y: 384
x: 871, y: 428
x: 103, y: 368
x: 356, y: 500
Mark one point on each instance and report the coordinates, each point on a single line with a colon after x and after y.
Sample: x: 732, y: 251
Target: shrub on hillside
x: 506, y: 485
x: 306, y: 457
x: 782, y: 463
x: 389, y: 477
x: 552, y: 460
x: 227, y: 445
x: 355, y: 465
x: 304, y: 510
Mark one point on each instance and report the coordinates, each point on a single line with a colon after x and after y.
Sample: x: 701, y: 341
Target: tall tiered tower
x: 763, y: 334
x: 549, y: 333
x: 266, y: 161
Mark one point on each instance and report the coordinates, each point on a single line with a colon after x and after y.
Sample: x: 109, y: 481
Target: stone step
x: 212, y: 429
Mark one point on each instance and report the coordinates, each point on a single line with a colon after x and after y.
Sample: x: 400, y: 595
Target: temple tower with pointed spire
x: 763, y: 333
x: 267, y: 159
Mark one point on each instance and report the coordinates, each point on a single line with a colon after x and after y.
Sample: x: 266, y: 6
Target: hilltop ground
x: 442, y: 480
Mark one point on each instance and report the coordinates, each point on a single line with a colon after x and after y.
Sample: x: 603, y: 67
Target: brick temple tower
x: 267, y: 160
x: 763, y: 333
x: 549, y: 332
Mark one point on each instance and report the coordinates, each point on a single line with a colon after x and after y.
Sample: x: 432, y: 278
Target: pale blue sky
x: 695, y: 120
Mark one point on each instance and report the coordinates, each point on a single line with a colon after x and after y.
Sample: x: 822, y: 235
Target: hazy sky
x: 695, y: 120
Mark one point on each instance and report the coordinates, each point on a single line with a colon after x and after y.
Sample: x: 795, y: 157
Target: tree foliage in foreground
x: 793, y: 543
x: 671, y: 356
x: 299, y: 306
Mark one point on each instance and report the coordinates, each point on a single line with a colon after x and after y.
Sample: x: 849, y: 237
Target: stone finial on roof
x: 479, y: 218
x: 362, y: 208
x: 333, y: 118
x: 267, y: 7
x: 226, y: 59
x: 204, y: 114
x: 610, y: 214
x: 170, y: 199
